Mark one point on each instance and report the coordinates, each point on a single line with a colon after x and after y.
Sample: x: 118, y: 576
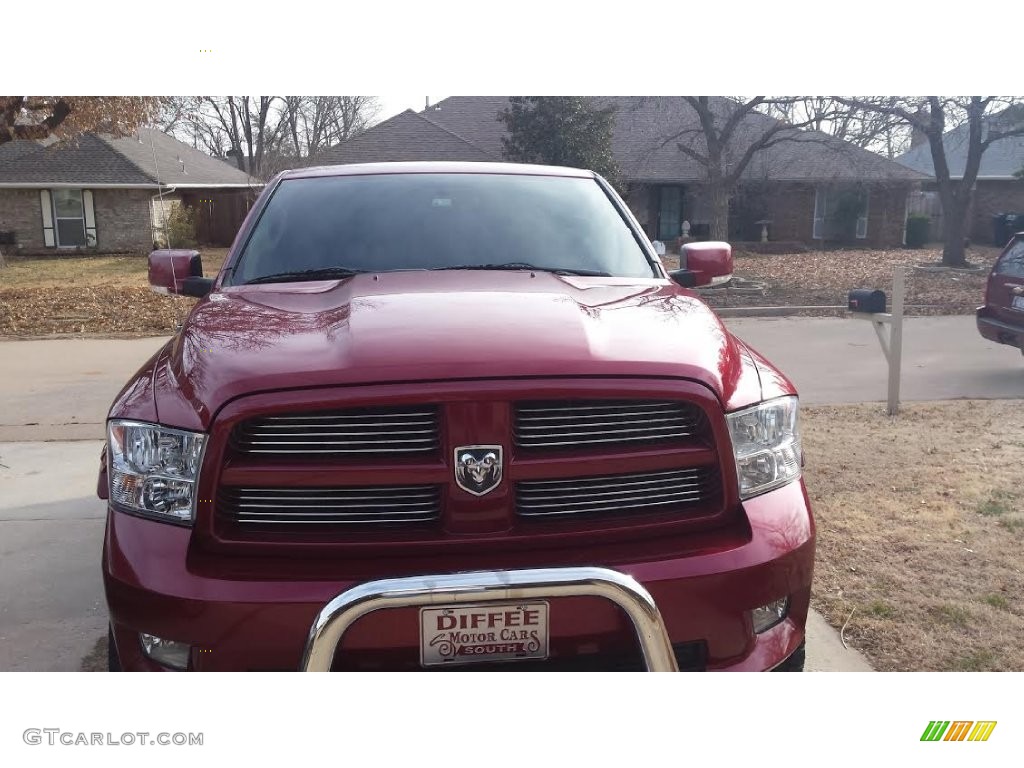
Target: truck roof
x: 372, y: 169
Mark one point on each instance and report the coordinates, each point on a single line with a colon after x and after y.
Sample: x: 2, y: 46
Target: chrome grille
x: 603, y: 422
x: 331, y: 506
x: 355, y: 431
x: 649, y: 492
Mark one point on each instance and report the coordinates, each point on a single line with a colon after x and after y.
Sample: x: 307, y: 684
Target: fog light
x: 767, y: 616
x: 167, y: 653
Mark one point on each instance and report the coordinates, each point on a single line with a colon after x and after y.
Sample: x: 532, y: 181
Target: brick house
x: 997, y: 189
x: 101, y: 194
x: 818, y: 189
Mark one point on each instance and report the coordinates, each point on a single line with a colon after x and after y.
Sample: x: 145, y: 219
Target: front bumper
x: 156, y: 584
x: 999, y: 331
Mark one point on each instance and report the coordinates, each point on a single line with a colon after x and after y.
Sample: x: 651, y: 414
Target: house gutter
x: 90, y: 185
x: 160, y: 195
x: 221, y: 186
x: 66, y: 185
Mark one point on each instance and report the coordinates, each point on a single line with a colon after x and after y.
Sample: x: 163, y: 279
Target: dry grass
x: 89, y: 295
x: 90, y: 271
x: 921, y: 528
x: 823, y: 278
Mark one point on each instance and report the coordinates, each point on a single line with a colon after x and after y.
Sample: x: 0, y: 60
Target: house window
x: 69, y: 217
x: 69, y: 220
x: 840, y: 213
x: 670, y: 213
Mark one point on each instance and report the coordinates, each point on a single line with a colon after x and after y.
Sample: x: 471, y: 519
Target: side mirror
x: 684, y: 277
x: 178, y: 272
x: 707, y: 263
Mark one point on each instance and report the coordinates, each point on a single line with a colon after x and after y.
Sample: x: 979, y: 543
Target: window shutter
x: 90, y: 219
x: 862, y: 220
x: 46, y: 204
x: 818, y: 230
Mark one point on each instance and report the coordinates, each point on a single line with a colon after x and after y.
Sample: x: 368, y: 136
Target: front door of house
x: 670, y: 213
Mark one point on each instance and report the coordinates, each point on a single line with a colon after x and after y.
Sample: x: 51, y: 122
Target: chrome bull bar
x: 491, y: 586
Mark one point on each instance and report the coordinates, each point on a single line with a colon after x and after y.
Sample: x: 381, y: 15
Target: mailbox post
x: 864, y: 305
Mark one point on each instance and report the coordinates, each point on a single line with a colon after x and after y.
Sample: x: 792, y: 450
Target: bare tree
x: 175, y: 114
x: 726, y: 136
x: 352, y: 115
x: 987, y: 119
x: 862, y: 126
x: 265, y: 134
x: 247, y: 129
x: 315, y: 123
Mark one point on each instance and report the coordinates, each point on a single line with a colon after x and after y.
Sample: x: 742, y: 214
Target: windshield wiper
x: 327, y: 273
x: 523, y: 265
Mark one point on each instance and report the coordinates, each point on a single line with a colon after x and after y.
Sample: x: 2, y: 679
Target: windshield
x: 1012, y: 263
x: 390, y: 222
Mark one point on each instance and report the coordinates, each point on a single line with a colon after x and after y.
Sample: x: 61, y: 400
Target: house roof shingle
x: 642, y: 125
x: 408, y: 136
x: 146, y: 159
x: 1001, y: 160
x: 164, y: 158
x: 86, y: 160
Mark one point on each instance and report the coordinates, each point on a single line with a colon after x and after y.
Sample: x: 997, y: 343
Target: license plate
x: 1018, y: 302
x: 470, y: 634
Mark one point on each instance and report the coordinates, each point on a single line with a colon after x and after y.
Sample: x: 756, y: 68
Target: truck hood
x: 422, y: 326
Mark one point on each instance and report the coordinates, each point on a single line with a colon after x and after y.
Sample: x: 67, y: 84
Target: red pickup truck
x: 453, y: 416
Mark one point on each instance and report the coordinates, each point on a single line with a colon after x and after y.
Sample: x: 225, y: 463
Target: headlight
x: 766, y: 444
x: 153, y: 469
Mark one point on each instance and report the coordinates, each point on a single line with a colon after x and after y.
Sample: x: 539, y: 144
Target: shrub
x: 181, y: 227
x: 917, y: 230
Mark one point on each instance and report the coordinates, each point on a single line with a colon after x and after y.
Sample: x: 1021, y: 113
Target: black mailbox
x: 866, y: 300
x: 7, y: 237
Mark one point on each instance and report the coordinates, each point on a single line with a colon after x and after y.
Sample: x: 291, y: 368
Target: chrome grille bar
x: 331, y: 506
x: 614, y: 493
x: 595, y: 406
x: 581, y: 423
x: 412, y: 430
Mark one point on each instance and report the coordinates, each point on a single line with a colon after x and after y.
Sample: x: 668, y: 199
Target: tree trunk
x: 719, y: 201
x: 954, y: 226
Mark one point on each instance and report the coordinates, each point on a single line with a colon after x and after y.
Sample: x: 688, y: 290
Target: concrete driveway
x: 836, y: 360
x: 55, y: 394
x: 52, y: 609
x: 61, y: 389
